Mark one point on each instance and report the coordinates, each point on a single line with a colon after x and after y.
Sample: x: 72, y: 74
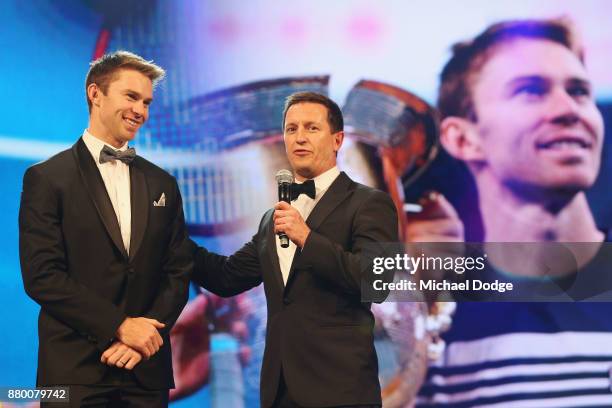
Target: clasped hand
x: 138, y: 337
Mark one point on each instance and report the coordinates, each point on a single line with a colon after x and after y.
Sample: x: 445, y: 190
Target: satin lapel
x: 271, y: 249
x: 296, y: 255
x: 333, y: 197
x: 97, y: 191
x: 139, y: 203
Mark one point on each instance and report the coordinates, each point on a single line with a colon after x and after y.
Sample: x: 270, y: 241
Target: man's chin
x: 128, y: 136
x: 574, y: 184
x: 561, y: 176
x: 304, y: 172
x: 552, y: 187
x: 574, y: 179
x: 565, y: 188
x: 299, y: 166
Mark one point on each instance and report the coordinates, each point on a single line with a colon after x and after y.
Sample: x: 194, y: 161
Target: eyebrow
x: 310, y: 122
x: 579, y: 81
x: 544, y: 80
x: 526, y: 80
x: 131, y: 91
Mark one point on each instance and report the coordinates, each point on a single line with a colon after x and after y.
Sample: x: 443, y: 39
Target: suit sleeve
x: 44, y: 267
x: 375, y: 222
x: 177, y: 268
x: 228, y: 276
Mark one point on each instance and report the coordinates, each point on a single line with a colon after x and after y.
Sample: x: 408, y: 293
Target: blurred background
x: 215, y: 123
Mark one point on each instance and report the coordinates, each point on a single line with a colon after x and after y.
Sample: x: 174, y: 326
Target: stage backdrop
x: 215, y: 122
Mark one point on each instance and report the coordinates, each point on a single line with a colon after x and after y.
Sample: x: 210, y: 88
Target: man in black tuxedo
x: 104, y: 250
x: 319, y: 342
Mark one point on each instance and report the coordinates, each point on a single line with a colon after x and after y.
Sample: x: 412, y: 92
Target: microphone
x: 284, y: 178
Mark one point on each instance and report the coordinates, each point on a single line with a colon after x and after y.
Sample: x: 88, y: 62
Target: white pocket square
x: 161, y: 202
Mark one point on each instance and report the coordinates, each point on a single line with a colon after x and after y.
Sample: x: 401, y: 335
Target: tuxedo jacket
x: 75, y: 266
x: 319, y: 334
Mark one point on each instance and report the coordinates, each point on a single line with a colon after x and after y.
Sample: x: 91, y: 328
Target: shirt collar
x: 95, y: 145
x: 324, y: 180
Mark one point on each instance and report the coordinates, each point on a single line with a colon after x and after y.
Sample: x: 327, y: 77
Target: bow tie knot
x: 108, y: 154
x: 307, y: 187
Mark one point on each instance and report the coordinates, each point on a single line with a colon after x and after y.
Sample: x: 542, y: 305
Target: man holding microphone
x: 319, y: 342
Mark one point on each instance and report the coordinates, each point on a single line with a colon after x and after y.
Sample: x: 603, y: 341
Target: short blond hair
x: 103, y: 70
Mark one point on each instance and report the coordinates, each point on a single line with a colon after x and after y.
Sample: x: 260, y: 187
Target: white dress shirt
x: 304, y: 205
x: 116, y: 176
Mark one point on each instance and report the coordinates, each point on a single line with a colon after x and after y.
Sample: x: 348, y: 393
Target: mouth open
x: 566, y: 144
x: 133, y: 124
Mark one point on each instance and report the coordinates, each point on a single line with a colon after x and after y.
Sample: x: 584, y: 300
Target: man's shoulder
x: 363, y: 189
x: 363, y: 192
x: 57, y: 163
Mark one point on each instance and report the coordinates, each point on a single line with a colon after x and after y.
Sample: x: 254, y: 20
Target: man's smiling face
x: 124, y: 108
x: 537, y: 122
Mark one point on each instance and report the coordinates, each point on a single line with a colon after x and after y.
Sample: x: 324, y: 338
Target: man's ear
x: 338, y: 139
x: 94, y: 93
x: 461, y: 139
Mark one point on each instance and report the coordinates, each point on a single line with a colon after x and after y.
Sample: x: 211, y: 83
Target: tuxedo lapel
x: 296, y: 255
x: 97, y: 191
x: 139, y: 199
x: 333, y: 197
x: 271, y: 249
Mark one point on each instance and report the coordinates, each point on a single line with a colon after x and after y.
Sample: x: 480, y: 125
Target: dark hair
x: 334, y: 114
x: 468, y: 58
x: 103, y: 70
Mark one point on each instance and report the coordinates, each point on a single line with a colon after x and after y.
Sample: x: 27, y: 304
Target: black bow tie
x: 307, y: 187
x: 109, y: 154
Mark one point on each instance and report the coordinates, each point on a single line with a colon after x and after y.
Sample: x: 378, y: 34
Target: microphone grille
x: 284, y: 176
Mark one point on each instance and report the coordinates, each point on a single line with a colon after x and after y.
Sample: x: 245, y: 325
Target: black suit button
x: 286, y: 301
x: 91, y: 338
x: 130, y: 271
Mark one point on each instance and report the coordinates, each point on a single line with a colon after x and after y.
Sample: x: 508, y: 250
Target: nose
x: 564, y: 109
x: 139, y: 109
x: 300, y: 136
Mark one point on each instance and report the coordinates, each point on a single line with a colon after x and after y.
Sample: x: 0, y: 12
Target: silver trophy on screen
x: 393, y: 136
